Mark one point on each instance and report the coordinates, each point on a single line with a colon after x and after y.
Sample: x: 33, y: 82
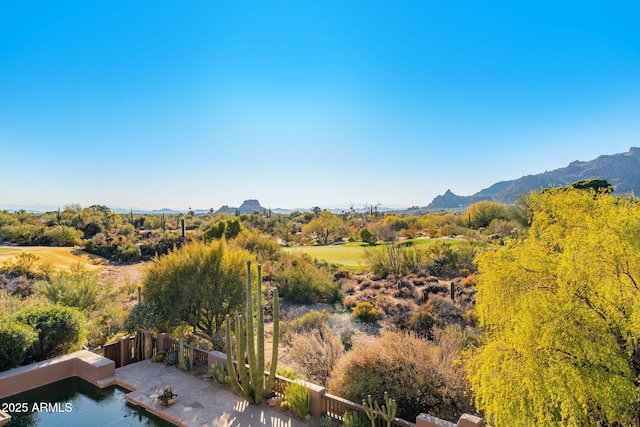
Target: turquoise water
x: 75, y: 402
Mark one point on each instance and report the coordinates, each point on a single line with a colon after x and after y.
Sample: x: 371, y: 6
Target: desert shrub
x: 384, y: 260
x: 366, y: 312
x: 113, y: 246
x: 63, y: 236
x: 299, y: 399
x: 444, y: 309
x: 469, y: 281
x: 302, y: 282
x: 262, y: 245
x: 15, y: 340
x: 422, y: 323
x: 350, y: 301
x: 77, y: 288
x: 384, y: 303
x: 283, y: 371
x: 316, y: 353
x: 308, y: 322
x: 396, y: 259
x: 413, y: 258
x: 22, y: 233
x: 11, y: 303
x: 24, y: 264
x: 159, y: 243
x: 366, y: 283
x: 354, y: 419
x: 367, y: 236
x: 7, y: 218
x: 128, y: 252
x: 405, y: 292
x: 126, y: 229
x: 60, y: 330
x: 348, y: 287
x: 92, y: 228
x: 438, y: 384
x: 105, y: 325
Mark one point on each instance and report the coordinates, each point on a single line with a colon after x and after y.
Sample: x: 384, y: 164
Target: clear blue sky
x: 152, y: 104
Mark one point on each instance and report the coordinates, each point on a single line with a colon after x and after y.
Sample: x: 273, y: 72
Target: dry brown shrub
x: 469, y: 281
x: 315, y: 354
x: 348, y: 287
x: 384, y: 303
x: 366, y: 283
x: 408, y: 293
x: 350, y: 301
x: 444, y: 309
x: 422, y: 376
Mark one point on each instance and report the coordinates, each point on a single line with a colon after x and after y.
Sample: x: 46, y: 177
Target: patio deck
x: 200, y: 402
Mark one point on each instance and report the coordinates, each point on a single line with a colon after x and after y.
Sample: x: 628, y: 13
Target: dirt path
x: 123, y: 274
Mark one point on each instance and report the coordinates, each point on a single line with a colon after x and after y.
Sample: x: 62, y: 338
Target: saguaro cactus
x: 388, y: 410
x: 250, y: 340
x: 184, y: 363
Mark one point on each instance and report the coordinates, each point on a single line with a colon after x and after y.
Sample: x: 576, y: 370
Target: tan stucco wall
x: 84, y: 364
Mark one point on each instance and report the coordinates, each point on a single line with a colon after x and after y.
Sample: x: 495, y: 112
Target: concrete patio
x: 200, y: 402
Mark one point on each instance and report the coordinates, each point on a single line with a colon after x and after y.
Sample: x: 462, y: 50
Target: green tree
x: 265, y: 247
x: 367, y: 236
x: 480, y: 214
x: 560, y: 307
x: 60, y: 330
x: 325, y: 226
x: 599, y: 185
x: 15, y: 340
x: 198, y: 285
x: 229, y: 229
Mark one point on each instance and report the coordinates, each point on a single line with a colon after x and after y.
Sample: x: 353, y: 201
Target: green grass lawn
x: 5, y: 249
x: 352, y: 254
x: 349, y: 255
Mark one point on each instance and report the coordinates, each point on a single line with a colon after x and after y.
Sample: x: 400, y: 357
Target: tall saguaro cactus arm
x: 388, y: 410
x: 251, y: 345
x: 233, y: 376
x: 251, y: 334
x: 276, y: 338
x: 259, y: 375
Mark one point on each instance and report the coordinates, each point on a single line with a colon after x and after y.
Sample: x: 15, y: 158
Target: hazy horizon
x: 149, y: 105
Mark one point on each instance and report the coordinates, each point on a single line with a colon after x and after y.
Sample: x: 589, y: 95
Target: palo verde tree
x: 325, y: 226
x: 560, y: 307
x: 198, y: 285
x: 480, y: 214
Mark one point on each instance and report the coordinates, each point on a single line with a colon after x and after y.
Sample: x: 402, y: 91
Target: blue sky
x: 198, y: 104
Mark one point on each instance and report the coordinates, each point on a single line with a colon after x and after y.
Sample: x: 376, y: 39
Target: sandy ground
x: 64, y: 258
x: 123, y: 274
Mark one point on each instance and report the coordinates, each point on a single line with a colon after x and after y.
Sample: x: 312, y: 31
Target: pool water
x: 75, y: 402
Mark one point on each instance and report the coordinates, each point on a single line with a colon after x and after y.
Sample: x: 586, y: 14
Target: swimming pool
x: 75, y: 402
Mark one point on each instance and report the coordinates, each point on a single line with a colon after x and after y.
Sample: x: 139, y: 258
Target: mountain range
x: 621, y: 170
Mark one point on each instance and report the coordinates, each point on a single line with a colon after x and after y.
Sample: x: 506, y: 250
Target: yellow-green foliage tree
x: 480, y: 214
x: 198, y: 285
x: 560, y: 307
x: 326, y: 226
